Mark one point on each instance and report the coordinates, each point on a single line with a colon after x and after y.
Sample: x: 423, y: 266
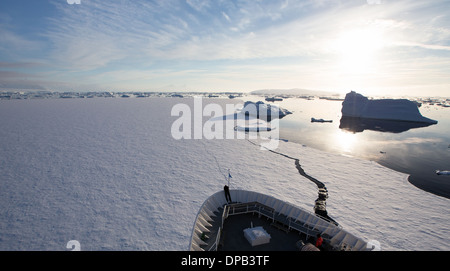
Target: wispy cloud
x: 205, y: 42
x: 199, y: 5
x: 226, y: 16
x: 16, y: 46
x: 96, y: 34
x: 424, y: 46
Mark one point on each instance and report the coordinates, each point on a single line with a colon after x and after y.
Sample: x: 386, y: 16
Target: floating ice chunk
x: 254, y: 128
x: 262, y: 110
x: 443, y: 172
x: 320, y: 120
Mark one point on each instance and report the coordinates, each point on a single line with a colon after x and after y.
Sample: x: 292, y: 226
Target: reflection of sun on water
x: 346, y: 141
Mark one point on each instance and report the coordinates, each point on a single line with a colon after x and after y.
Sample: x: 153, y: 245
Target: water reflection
x: 346, y: 141
x: 358, y: 125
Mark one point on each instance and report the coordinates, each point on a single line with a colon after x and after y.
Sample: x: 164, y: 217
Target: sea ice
x: 107, y: 174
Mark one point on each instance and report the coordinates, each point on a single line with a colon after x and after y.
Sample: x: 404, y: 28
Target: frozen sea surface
x: 107, y: 173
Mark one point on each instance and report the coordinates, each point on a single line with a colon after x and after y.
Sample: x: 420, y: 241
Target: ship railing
x: 250, y: 207
x: 241, y: 208
x: 305, y: 227
x: 215, y: 245
x: 299, y: 219
x: 226, y: 210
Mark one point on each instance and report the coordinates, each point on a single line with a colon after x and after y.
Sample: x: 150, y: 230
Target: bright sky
x: 371, y: 46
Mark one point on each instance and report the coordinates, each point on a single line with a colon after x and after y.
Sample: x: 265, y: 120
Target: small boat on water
x: 255, y: 221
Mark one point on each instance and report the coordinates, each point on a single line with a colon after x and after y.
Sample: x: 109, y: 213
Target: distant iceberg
x: 320, y: 120
x: 357, y: 106
x: 260, y: 109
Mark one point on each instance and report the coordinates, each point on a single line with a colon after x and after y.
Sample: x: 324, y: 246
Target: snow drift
x: 358, y: 106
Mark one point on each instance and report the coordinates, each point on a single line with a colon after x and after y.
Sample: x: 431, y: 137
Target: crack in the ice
x: 320, y: 203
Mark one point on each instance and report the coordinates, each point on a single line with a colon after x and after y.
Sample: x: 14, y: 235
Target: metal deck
x: 220, y: 225
x: 232, y: 236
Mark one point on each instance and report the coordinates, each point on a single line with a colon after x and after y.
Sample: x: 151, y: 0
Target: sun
x: 357, y: 50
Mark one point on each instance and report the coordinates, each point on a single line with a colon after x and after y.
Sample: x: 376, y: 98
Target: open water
x: 402, y: 146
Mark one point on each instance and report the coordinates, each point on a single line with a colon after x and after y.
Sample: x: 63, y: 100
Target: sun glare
x: 357, y: 50
x: 346, y: 141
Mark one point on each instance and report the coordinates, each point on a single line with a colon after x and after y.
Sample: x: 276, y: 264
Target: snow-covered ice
x: 108, y: 174
x: 356, y: 105
x: 264, y: 110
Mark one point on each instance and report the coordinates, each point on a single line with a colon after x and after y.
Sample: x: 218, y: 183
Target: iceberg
x: 358, y: 106
x: 260, y: 109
